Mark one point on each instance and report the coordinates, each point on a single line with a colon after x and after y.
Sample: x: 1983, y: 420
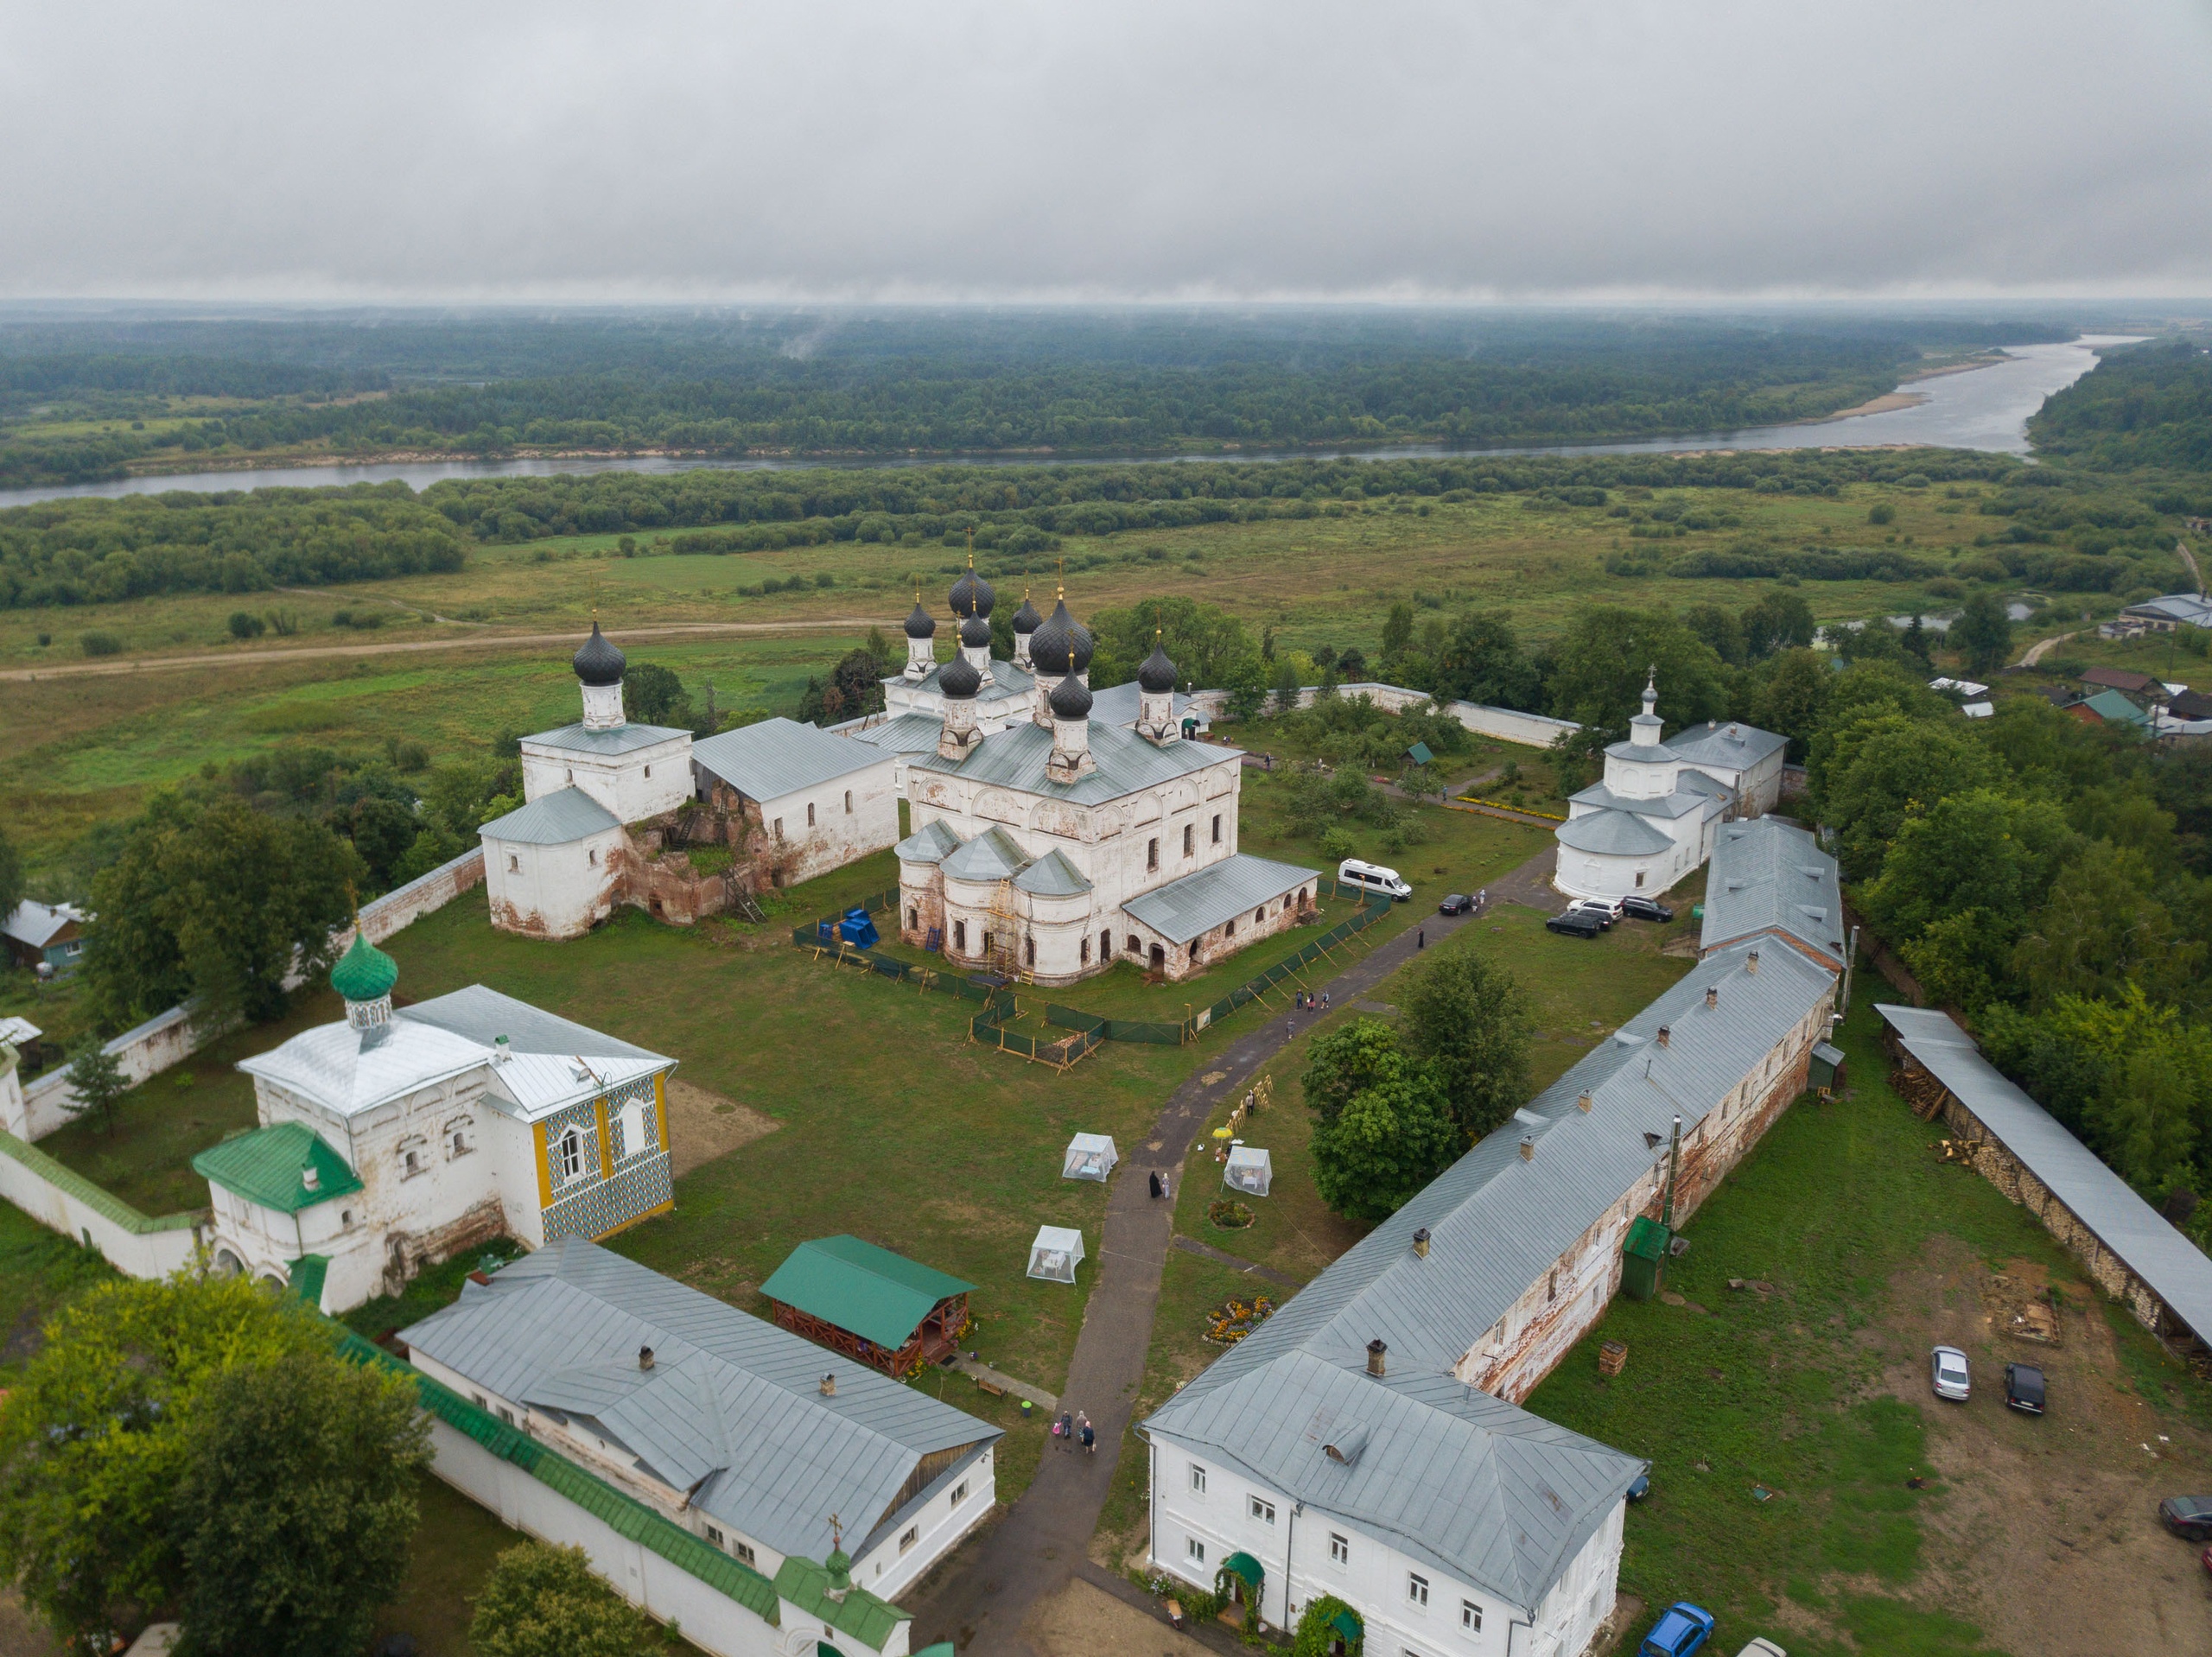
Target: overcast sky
x: 815, y: 149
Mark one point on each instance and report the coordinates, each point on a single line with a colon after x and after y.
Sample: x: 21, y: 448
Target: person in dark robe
x: 1155, y: 1186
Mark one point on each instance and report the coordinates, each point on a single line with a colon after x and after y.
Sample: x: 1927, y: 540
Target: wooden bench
x: 990, y: 1387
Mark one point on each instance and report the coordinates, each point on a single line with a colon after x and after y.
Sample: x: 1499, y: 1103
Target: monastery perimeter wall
x: 170, y: 1038
x: 1506, y: 724
x: 136, y: 1245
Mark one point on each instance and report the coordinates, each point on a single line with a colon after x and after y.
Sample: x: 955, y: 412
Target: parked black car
x: 1576, y: 923
x: 2023, y: 1388
x: 1458, y: 904
x: 2188, y: 1516
x: 1645, y: 909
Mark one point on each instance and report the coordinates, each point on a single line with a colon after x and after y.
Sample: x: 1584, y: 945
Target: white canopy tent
x: 1249, y: 1171
x: 1090, y: 1156
x: 1054, y: 1255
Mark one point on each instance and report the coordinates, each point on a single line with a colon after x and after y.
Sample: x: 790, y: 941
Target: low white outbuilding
x: 1055, y: 1254
x: 1249, y: 1171
x: 1090, y: 1156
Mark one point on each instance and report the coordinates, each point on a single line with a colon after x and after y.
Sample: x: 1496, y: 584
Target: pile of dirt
x: 702, y: 1126
x: 2024, y: 1306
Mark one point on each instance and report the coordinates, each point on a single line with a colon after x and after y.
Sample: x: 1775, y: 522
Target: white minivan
x: 1372, y: 877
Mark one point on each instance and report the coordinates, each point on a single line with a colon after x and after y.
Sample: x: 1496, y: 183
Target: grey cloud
x: 1029, y: 150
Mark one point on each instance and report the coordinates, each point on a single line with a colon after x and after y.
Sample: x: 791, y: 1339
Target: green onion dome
x: 366, y: 972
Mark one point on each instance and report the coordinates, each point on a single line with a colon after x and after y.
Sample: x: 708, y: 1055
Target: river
x: 1980, y: 409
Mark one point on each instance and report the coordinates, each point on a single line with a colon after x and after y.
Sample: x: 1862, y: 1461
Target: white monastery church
x: 1653, y: 818
x: 1045, y: 842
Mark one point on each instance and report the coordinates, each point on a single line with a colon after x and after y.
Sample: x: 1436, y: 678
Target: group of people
x: 1070, y: 1430
x: 1309, y: 1002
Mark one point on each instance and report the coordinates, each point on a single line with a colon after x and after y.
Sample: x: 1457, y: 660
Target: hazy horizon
x: 1640, y: 156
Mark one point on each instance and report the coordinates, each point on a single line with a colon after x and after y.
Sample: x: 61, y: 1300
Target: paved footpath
x: 1032, y: 1550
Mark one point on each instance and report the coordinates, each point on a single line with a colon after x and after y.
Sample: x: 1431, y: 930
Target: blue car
x: 1681, y: 1628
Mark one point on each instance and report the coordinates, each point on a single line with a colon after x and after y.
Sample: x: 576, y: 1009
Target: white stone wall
x: 554, y: 892
x: 854, y: 815
x: 887, y: 1570
x: 633, y: 786
x: 1297, y: 1551
x: 65, y: 1201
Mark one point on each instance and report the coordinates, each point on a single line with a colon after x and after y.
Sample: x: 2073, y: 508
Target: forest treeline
x: 947, y: 383
x: 2147, y: 405
x: 2050, y: 527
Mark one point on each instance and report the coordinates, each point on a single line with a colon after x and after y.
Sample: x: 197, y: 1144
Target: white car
x: 1763, y: 1648
x: 1946, y: 1373
x: 1607, y: 910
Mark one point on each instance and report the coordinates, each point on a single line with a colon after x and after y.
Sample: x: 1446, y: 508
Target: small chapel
x: 1047, y: 842
x: 1652, y: 820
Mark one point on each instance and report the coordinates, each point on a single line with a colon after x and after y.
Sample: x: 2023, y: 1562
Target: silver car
x: 1946, y: 1373
x: 1763, y: 1648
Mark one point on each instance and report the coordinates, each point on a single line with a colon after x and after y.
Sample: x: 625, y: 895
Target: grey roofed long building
x: 1732, y: 746
x: 778, y: 757
x: 1184, y: 909
x: 731, y: 1411
x: 555, y: 819
x: 2170, y: 1266
x: 1125, y: 763
x: 1497, y: 1222
x: 1771, y: 876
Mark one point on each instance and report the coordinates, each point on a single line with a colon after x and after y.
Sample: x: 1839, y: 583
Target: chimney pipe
x: 1751, y: 964
x: 1712, y: 995
x: 1421, y: 1242
x: 311, y: 1178
x: 1375, y: 1352
x: 1584, y: 1103
x: 828, y: 1384
x: 1527, y: 1147
x: 644, y: 1358
x: 1666, y: 1035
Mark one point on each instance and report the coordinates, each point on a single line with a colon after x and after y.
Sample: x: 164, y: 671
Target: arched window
x: 913, y: 919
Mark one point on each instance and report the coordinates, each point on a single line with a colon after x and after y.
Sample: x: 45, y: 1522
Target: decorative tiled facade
x: 619, y: 1184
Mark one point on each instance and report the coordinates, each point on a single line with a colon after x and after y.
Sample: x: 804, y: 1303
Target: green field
x: 82, y: 748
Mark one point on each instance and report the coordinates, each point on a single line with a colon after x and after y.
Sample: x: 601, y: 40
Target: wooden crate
x: 1613, y: 1358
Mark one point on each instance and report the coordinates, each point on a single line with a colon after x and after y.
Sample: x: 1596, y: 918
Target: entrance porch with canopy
x: 876, y: 1307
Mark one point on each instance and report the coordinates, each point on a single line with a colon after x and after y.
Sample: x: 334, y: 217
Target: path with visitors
x: 1030, y: 1553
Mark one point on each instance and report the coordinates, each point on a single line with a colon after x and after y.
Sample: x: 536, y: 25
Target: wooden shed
x: 876, y: 1307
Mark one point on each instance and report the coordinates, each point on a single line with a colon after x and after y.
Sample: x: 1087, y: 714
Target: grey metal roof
x: 1617, y: 833
x: 1681, y: 803
x: 930, y: 843
x: 1117, y: 704
x: 1053, y: 876
x: 1769, y: 875
x: 1734, y: 746
x: 907, y: 733
x: 1006, y: 681
x: 2174, y: 606
x: 732, y: 1406
x: 780, y: 756
x: 552, y: 819
x: 621, y: 739
x: 1497, y: 1223
x: 992, y: 855
x: 36, y: 923
x: 483, y: 1015
x: 1015, y: 757
x: 2176, y: 1271
x: 1183, y: 909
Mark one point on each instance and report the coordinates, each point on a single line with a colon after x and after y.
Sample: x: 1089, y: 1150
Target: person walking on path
x: 1421, y: 940
x: 1062, y: 1430
x: 1156, y: 1187
x: 1324, y: 1000
x: 1088, y: 1435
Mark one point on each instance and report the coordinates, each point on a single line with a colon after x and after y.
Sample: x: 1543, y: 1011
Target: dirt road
x: 471, y: 641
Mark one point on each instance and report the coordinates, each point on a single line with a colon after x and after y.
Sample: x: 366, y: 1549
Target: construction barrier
x: 1092, y: 1029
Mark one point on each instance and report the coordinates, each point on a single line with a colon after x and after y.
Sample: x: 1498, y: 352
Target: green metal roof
x: 2111, y: 705
x: 1419, y: 753
x: 1647, y: 1239
x: 310, y: 1272
x: 860, y: 1614
x: 871, y: 1292
x: 365, y: 972
x: 266, y: 1166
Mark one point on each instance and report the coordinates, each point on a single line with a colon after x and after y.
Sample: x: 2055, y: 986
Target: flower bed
x: 1227, y: 1216
x: 1234, y: 1319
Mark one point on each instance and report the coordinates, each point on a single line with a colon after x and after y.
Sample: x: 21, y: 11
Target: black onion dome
x: 958, y: 678
x: 921, y: 624
x: 1051, y: 644
x: 1025, y: 619
x: 975, y: 633
x: 1070, y: 698
x: 972, y: 595
x: 1158, y: 673
x: 599, y: 663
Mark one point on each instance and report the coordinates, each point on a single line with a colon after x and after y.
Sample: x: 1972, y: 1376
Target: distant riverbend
x: 1978, y: 408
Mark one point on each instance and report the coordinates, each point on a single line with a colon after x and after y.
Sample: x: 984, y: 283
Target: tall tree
x: 1482, y: 661
x: 97, y: 1080
x: 541, y: 1600
x: 1342, y: 1061
x: 1982, y: 633
x: 1468, y: 1020
x: 215, y: 900
x: 1391, y: 1138
x: 11, y: 876
x: 1608, y: 654
x: 297, y: 1505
